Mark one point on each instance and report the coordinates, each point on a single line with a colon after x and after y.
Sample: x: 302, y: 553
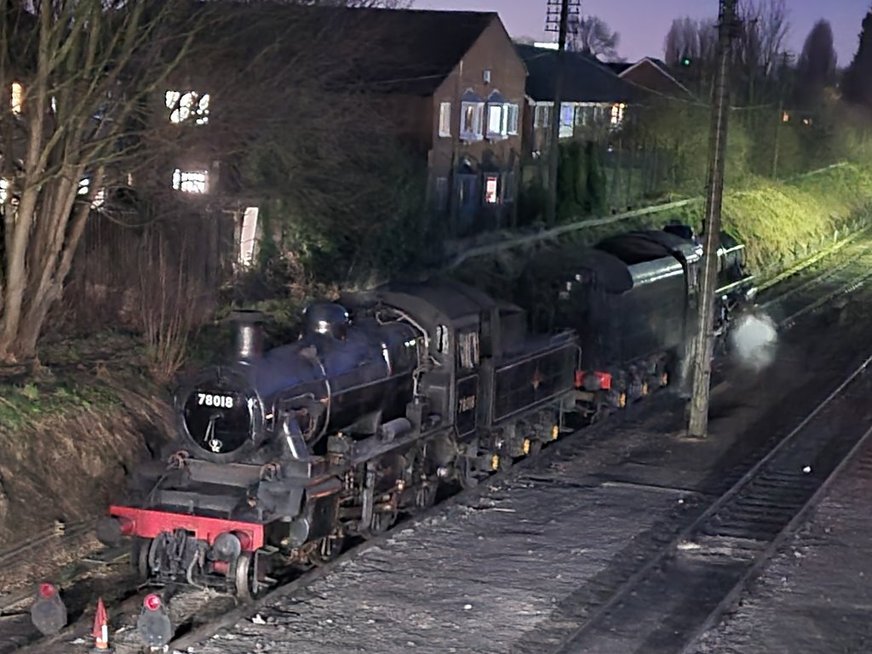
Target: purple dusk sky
x: 643, y: 24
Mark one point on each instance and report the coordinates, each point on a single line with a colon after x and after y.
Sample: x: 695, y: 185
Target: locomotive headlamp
x: 226, y: 547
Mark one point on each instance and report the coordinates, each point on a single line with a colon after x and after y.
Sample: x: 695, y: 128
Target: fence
x: 119, y: 267
x: 555, y: 232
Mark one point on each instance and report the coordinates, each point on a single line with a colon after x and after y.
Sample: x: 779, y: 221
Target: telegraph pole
x: 557, y: 19
x: 704, y: 342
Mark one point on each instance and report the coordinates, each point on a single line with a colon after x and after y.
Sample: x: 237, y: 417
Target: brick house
x: 456, y: 84
x: 593, y: 98
x: 453, y: 86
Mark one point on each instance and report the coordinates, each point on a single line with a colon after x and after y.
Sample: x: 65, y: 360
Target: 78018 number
x: 220, y: 401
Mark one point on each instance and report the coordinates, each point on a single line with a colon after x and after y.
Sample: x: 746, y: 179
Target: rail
x: 701, y: 570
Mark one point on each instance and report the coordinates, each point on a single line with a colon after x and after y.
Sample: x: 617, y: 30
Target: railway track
x: 194, y: 611
x: 696, y: 577
x: 809, y: 288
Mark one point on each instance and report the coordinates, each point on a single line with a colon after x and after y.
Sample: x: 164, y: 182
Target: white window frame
x: 496, y: 120
x: 471, y: 132
x: 542, y: 115
x: 191, y: 181
x: 511, y: 119
x: 188, y: 106
x: 445, y: 119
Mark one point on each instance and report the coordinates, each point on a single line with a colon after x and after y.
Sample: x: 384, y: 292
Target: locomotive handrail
x: 424, y: 358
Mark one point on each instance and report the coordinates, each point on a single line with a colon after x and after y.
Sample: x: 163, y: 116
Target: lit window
x: 444, y: 119
x: 471, y: 118
x: 190, y: 181
x: 495, y: 119
x: 99, y: 196
x: 567, y: 117
x: 785, y: 117
x: 190, y: 105
x: 491, y: 189
x: 4, y: 190
x: 617, y: 114
x: 17, y: 98
x: 248, y: 236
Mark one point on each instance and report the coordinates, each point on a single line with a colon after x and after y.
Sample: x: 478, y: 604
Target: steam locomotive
x: 284, y: 453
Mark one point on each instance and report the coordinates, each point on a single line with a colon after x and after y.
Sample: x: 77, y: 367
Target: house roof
x: 406, y: 51
x: 413, y: 51
x: 623, y: 69
x: 617, y: 67
x: 584, y: 79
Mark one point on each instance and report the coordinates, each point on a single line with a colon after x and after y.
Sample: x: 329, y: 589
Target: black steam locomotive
x: 633, y: 299
x: 284, y: 453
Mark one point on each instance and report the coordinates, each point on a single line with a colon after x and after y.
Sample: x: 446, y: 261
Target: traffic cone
x: 101, y: 628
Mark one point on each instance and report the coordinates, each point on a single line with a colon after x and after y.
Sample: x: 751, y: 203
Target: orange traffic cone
x: 101, y: 628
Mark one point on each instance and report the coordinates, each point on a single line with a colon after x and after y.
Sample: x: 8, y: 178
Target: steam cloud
x: 753, y: 341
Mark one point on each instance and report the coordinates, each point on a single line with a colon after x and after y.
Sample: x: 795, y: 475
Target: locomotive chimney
x: 248, y: 327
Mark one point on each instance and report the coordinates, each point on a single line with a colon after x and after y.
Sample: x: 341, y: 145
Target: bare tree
x: 690, y: 48
x: 773, y: 28
x: 682, y: 41
x: 816, y: 68
x: 592, y: 35
x: 78, y: 72
x: 757, y: 51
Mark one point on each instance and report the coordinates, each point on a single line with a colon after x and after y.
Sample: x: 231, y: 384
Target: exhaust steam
x: 753, y: 341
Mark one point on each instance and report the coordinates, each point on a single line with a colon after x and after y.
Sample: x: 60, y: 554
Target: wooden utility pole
x: 557, y: 19
x: 704, y: 342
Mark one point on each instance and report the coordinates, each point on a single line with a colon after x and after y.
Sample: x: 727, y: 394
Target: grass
x: 74, y: 375
x: 782, y: 221
x: 23, y: 405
